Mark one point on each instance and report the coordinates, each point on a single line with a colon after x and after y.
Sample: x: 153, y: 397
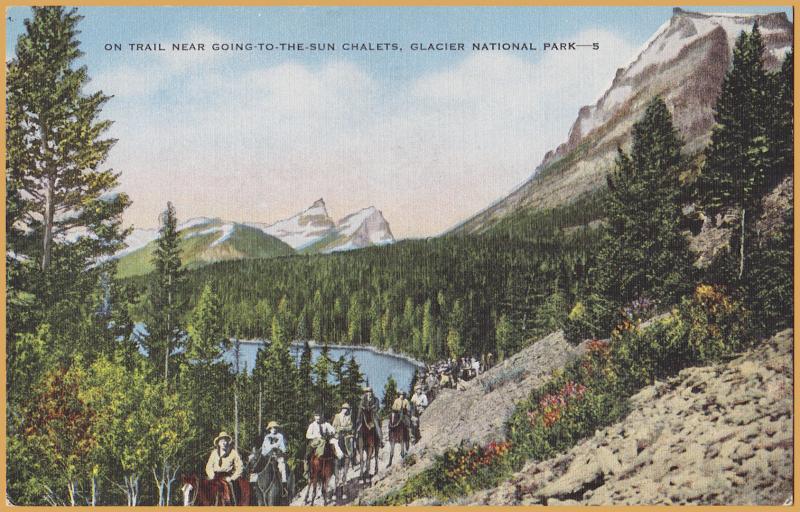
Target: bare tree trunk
x: 260, y: 409
x: 160, y: 486
x: 94, y: 491
x: 132, y: 489
x: 49, y: 214
x: 171, y: 478
x: 71, y: 491
x: 237, y: 348
x: 169, y: 332
x: 741, y: 248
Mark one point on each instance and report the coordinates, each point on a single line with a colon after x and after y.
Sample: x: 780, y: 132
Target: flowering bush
x: 553, y: 405
x: 464, y: 462
x: 717, y: 323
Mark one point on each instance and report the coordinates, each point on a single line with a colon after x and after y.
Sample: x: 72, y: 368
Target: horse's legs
x: 391, y: 452
x: 308, y: 488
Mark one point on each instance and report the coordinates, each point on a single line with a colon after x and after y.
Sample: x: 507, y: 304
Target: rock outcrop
x: 712, y: 435
x: 478, y: 412
x: 684, y: 63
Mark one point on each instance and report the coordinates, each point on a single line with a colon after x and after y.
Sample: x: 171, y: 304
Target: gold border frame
x: 404, y: 3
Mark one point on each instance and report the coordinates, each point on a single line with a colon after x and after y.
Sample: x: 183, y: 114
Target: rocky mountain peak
x: 684, y: 62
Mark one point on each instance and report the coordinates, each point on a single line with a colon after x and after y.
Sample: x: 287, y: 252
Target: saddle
x: 361, y: 421
x: 231, y: 492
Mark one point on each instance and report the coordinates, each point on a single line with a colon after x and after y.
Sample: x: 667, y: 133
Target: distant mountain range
x: 208, y: 240
x: 684, y: 62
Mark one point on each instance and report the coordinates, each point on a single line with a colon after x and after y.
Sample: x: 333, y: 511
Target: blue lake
x: 376, y: 366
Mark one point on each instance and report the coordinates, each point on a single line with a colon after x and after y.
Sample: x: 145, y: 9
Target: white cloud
x: 145, y: 73
x: 428, y: 153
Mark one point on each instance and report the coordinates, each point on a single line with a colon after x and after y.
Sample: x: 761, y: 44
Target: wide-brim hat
x: 273, y: 424
x: 366, y: 388
x: 221, y: 435
x: 345, y: 405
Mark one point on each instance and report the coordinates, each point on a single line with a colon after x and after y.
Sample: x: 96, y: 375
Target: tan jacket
x: 401, y: 404
x: 342, y: 422
x: 231, y: 463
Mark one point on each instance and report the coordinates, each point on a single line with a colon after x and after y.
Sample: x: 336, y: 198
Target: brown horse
x: 368, y: 442
x: 211, y: 492
x: 320, y: 472
x: 398, y: 433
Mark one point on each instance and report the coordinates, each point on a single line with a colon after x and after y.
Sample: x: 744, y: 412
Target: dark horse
x: 320, y: 472
x: 267, y: 479
x: 201, y: 492
x: 368, y: 442
x: 398, y: 433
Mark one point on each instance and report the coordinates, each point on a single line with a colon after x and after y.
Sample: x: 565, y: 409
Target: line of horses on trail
x: 261, y: 484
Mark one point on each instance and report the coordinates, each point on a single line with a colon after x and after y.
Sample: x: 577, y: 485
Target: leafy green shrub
x: 718, y: 325
x: 589, y: 319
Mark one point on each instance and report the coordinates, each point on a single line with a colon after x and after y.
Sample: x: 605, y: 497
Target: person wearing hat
x: 224, y: 462
x: 370, y: 403
x: 315, y: 434
x: 419, y: 399
x: 275, y: 446
x: 343, y: 425
x: 343, y: 421
x: 403, y: 406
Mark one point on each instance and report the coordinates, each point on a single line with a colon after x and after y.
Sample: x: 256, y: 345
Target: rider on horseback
x: 402, y: 406
x: 343, y: 425
x: 342, y: 421
x: 225, y: 464
x: 370, y: 403
x: 316, y: 435
x: 419, y: 400
x: 275, y: 446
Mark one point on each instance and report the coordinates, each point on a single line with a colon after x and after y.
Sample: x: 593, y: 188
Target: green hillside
x: 198, y: 248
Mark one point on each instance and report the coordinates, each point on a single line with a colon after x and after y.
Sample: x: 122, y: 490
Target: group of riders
x: 225, y: 464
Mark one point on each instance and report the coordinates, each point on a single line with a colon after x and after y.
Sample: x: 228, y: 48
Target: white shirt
x: 272, y: 442
x: 315, y: 430
x: 419, y: 400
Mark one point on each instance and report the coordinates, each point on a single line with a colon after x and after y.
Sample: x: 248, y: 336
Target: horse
x: 398, y: 433
x: 211, y: 492
x: 345, y: 441
x: 320, y: 472
x: 368, y: 442
x: 266, y: 476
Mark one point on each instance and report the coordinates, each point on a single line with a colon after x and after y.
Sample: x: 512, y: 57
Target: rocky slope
x: 684, y: 62
x: 712, y: 435
x: 477, y: 413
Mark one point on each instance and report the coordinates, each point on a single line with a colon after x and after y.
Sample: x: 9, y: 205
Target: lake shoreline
x: 313, y: 344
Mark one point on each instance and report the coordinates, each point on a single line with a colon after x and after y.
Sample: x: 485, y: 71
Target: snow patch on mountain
x: 303, y: 229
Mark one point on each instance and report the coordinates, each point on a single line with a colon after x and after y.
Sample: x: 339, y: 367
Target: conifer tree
x: 323, y: 389
x: 389, y: 394
x: 741, y: 160
x: 277, y: 374
x: 164, y: 307
x: 352, y: 384
x: 56, y: 145
x: 643, y: 252
x: 207, y: 338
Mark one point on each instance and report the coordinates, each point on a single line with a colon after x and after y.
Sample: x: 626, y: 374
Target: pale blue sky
x: 257, y: 136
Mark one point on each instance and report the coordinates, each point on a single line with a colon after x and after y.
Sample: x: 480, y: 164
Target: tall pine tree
x: 742, y: 160
x: 643, y: 252
x: 56, y: 145
x: 164, y: 307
